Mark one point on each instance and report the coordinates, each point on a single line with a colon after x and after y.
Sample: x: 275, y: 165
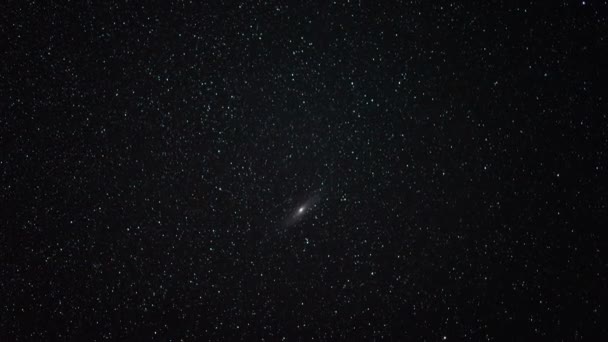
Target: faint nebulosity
x: 303, y: 171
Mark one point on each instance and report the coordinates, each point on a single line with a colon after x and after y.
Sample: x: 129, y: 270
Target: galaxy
x: 303, y: 170
x: 302, y: 210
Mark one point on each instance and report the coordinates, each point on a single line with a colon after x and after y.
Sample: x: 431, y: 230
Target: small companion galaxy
x: 303, y: 171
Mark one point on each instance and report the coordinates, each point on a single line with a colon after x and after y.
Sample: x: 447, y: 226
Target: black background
x: 151, y: 152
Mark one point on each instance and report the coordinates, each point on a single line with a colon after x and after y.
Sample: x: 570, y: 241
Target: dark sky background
x: 452, y: 159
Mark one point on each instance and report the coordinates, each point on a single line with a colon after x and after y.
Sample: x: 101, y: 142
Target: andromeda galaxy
x: 302, y: 210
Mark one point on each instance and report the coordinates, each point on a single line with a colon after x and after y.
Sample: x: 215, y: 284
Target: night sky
x: 301, y: 171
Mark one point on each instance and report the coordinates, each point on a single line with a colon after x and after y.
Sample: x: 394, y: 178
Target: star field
x: 327, y: 171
